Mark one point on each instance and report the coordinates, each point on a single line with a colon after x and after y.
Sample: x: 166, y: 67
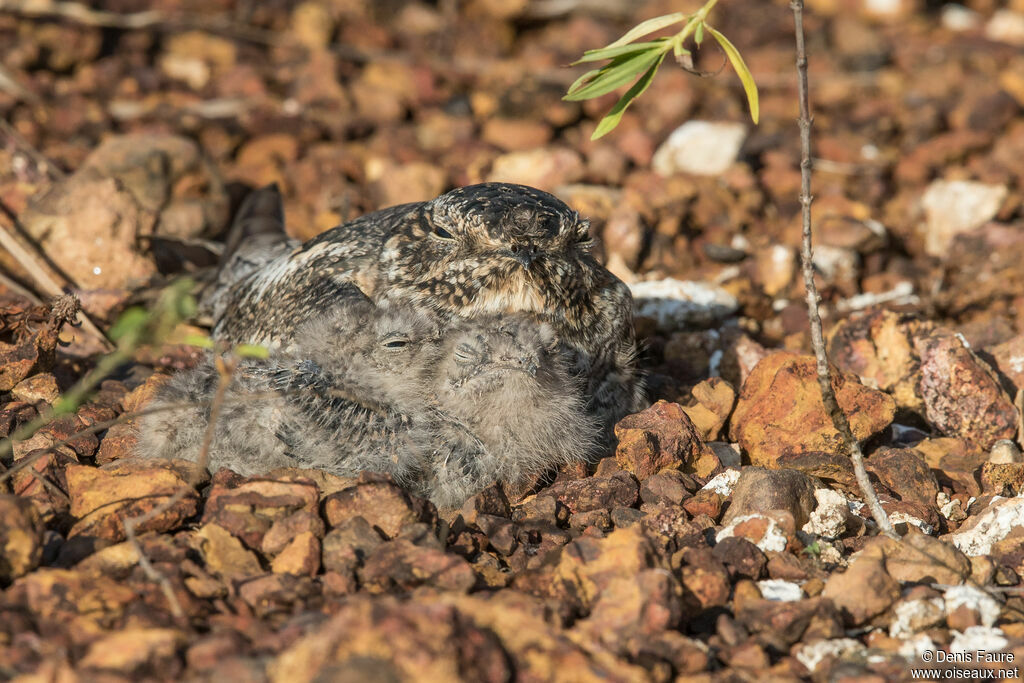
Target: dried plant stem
x: 839, y: 420
x: 225, y: 370
x: 46, y: 284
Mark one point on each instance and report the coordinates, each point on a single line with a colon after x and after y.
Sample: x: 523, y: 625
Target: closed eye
x: 465, y: 354
x: 395, y: 342
x: 442, y: 233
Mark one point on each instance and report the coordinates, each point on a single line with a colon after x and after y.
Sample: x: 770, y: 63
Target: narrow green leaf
x: 130, y: 322
x: 579, y: 82
x: 741, y: 70
x: 616, y: 74
x: 613, y: 52
x: 198, y: 340
x: 649, y: 26
x: 252, y: 351
x: 612, y: 118
x: 698, y: 36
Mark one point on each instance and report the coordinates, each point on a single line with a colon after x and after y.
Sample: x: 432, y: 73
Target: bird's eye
x: 395, y: 341
x: 465, y: 354
x: 442, y: 233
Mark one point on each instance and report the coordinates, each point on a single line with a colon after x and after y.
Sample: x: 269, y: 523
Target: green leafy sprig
x: 628, y: 58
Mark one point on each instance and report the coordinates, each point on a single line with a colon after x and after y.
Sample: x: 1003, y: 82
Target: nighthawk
x: 492, y: 248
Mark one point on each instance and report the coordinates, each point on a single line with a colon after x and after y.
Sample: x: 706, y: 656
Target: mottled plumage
x: 484, y: 249
x: 378, y: 388
x: 514, y: 410
x: 335, y: 406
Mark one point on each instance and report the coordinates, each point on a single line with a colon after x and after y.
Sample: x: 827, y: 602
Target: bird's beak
x: 524, y: 256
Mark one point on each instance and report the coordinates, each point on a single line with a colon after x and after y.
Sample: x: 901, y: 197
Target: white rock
x: 700, y: 148
x: 914, y: 616
x: 678, y: 304
x: 992, y: 526
x: 952, y: 207
x: 913, y: 648
x: 1006, y: 26
x: 812, y: 654
x: 977, y: 638
x: 959, y: 18
x: 830, y: 516
x: 837, y: 265
x: 723, y: 483
x: 774, y: 540
x: 899, y: 517
x: 974, y: 599
x: 780, y: 590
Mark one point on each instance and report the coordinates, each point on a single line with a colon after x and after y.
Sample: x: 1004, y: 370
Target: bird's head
x: 493, y: 248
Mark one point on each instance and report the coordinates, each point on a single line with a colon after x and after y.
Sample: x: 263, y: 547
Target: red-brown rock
x: 780, y: 410
x: 659, y: 437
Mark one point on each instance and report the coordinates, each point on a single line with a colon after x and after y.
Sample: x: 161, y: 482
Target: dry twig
x: 828, y: 396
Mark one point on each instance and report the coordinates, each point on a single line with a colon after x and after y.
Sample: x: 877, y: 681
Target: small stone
x: 700, y: 148
x: 981, y: 532
x: 400, y: 565
x: 761, y: 529
x: 962, y: 397
x: 377, y: 500
x: 348, y: 545
x: 661, y: 436
x: 21, y: 538
x: 589, y: 565
x: 300, y: 557
x: 224, y: 554
x: 1004, y: 452
x: 669, y: 486
x: 831, y: 516
x: 102, y: 497
x: 704, y: 578
x: 906, y: 473
x: 682, y: 304
x: 774, y: 268
x: 510, y: 135
x: 741, y: 557
x: 286, y: 529
x: 952, y: 207
x: 759, y: 490
x: 250, y: 508
x: 767, y: 428
x: 863, y: 591
x: 37, y: 389
x: 130, y: 649
x: 919, y: 558
x: 1002, y: 479
x: 715, y: 400
x: 596, y: 493
x: 1006, y: 26
x: 545, y: 168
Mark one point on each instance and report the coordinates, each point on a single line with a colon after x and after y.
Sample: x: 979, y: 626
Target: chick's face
x: 400, y: 341
x: 493, y: 248
x: 495, y: 361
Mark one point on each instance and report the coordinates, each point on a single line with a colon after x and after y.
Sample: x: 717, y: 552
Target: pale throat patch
x: 515, y: 295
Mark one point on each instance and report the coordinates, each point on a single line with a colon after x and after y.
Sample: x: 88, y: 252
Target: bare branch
x: 828, y: 396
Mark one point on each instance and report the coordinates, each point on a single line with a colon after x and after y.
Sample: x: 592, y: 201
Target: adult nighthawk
x: 492, y: 248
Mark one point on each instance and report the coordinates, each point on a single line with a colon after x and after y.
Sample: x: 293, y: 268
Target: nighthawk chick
x: 341, y: 403
x: 492, y: 248
x: 509, y: 409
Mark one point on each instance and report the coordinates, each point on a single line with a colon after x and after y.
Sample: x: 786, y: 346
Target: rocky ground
x: 723, y: 537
